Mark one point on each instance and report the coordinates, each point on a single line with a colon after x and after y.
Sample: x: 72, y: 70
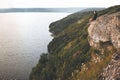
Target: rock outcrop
x: 105, y: 28
x: 112, y: 71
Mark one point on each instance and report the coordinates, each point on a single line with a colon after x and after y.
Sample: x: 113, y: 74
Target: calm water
x: 23, y: 37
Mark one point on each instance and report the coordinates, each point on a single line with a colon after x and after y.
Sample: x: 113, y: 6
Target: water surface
x: 23, y: 37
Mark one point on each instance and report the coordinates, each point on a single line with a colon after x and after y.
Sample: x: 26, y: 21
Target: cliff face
x: 112, y: 71
x: 107, y: 29
x: 82, y: 51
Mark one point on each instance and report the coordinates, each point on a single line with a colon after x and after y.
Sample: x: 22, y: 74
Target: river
x: 23, y: 37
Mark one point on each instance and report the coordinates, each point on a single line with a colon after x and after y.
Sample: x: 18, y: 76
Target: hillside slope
x: 70, y: 56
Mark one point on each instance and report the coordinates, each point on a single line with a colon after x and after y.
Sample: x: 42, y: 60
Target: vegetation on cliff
x: 70, y: 56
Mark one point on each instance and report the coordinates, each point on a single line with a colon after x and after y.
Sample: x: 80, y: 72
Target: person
x: 95, y: 16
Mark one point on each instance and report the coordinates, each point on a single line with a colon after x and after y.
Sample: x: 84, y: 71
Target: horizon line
x: 68, y: 10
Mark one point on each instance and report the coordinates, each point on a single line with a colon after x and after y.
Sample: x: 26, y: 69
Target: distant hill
x: 91, y: 9
x: 69, y: 10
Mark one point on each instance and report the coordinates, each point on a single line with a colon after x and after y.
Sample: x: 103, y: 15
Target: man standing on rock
x: 94, y: 17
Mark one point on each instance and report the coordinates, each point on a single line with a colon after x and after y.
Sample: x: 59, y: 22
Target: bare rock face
x: 105, y: 28
x: 112, y: 71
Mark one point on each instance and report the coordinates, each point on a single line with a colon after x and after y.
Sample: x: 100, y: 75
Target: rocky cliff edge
x: 107, y: 29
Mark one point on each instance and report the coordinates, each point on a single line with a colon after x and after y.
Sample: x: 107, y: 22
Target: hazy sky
x: 57, y: 3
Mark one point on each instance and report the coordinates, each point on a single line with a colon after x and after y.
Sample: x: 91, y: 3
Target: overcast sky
x: 57, y: 3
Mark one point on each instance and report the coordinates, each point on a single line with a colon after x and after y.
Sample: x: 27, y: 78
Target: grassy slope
x: 70, y: 49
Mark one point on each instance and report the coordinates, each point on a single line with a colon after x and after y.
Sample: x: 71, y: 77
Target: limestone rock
x: 112, y: 71
x: 105, y: 28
